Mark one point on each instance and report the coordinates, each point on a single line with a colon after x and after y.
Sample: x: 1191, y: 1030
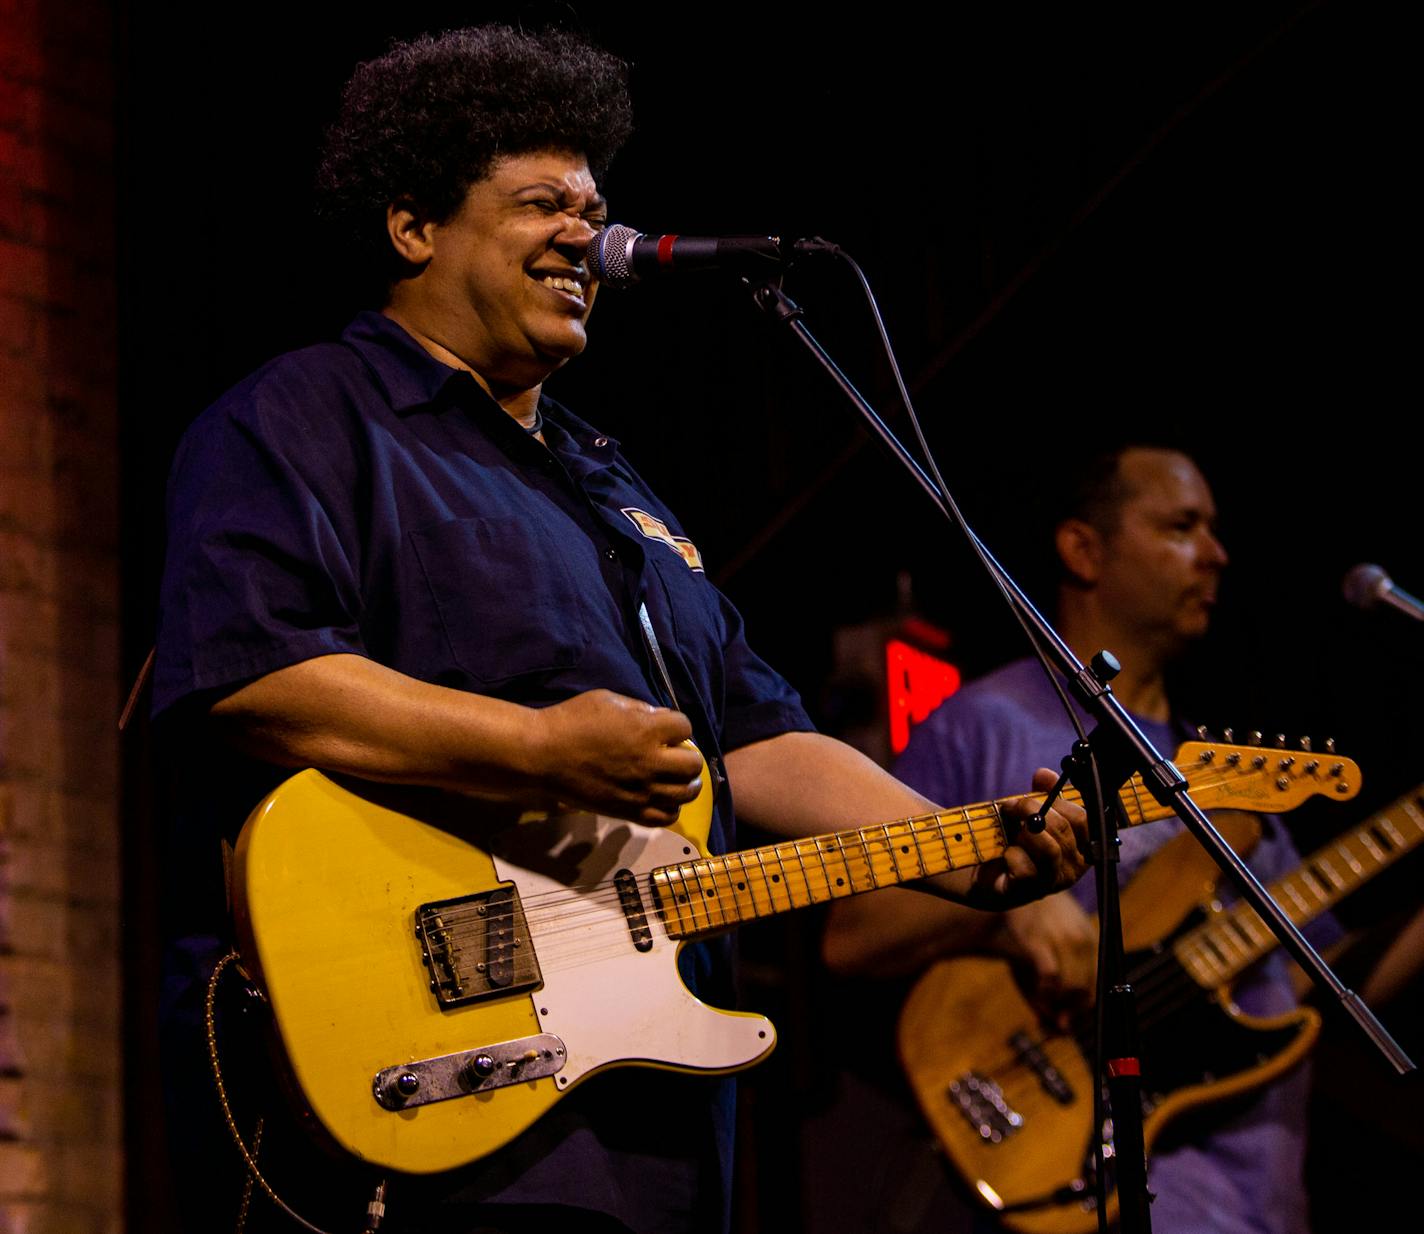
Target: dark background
x: 1190, y: 217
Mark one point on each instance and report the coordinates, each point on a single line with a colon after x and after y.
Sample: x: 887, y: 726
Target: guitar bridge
x: 477, y: 947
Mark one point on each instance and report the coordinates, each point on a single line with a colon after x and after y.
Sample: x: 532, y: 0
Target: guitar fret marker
x: 970, y: 829
x: 1350, y: 859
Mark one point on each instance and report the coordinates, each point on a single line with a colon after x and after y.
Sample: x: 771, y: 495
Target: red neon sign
x: 917, y: 684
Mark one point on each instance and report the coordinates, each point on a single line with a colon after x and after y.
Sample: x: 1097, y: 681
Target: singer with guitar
x: 394, y: 558
x: 1138, y: 565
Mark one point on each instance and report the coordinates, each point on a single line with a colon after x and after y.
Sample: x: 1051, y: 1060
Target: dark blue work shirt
x: 362, y: 497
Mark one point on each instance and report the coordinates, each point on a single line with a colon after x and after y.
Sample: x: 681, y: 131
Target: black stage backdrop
x: 1194, y: 218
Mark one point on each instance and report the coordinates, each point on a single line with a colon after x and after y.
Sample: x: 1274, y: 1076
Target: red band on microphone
x: 1123, y: 1066
x: 665, y: 244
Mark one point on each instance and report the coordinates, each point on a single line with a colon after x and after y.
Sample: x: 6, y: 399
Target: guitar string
x: 930, y: 825
x: 729, y: 895
x: 876, y: 860
x: 854, y: 849
x: 608, y: 934
x: 982, y: 812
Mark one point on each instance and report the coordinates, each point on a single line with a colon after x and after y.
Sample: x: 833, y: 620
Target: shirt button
x: 600, y: 441
x: 610, y: 554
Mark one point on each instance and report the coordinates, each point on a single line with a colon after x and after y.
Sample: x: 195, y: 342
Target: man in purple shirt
x: 1139, y: 565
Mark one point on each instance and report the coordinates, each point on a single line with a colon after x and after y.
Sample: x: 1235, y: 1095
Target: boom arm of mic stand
x: 1162, y: 778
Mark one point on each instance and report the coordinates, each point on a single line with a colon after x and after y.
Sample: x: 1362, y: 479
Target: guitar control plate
x: 407, y: 1085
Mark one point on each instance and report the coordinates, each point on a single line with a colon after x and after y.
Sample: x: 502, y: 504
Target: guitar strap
x: 650, y: 637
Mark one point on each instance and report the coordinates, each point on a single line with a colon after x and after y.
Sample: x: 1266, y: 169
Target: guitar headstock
x: 1267, y: 779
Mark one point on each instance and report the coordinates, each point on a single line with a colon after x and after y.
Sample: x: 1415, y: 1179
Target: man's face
x: 1159, y: 568
x: 508, y: 275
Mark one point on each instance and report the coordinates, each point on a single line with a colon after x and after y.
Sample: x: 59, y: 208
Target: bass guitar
x: 437, y: 981
x: 1011, y: 1100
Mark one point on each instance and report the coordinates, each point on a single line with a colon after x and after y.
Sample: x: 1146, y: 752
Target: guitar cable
x: 375, y: 1210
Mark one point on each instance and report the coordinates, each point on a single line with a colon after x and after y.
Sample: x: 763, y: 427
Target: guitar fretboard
x: 714, y: 893
x: 1219, y: 950
x: 698, y: 897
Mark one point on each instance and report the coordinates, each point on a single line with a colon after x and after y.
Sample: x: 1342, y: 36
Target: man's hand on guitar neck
x: 896, y: 933
x: 799, y: 784
x: 1034, y: 864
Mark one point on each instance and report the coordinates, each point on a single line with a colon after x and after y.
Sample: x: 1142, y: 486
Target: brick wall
x: 60, y: 1124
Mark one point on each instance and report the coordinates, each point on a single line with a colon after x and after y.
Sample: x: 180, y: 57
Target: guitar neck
x: 715, y: 893
x: 1219, y: 950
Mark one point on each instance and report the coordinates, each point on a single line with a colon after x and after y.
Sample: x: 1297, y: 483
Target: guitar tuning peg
x: 1203, y: 733
x: 1280, y: 741
x: 1228, y: 735
x: 1330, y: 745
x: 1305, y: 744
x: 1254, y: 737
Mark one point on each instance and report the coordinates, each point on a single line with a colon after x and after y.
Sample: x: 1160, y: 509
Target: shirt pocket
x: 505, y: 597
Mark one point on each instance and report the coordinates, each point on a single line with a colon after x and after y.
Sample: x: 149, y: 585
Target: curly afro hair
x: 429, y: 118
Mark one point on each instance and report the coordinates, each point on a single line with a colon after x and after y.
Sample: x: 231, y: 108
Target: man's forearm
x: 800, y: 784
x: 344, y: 713
x: 349, y: 714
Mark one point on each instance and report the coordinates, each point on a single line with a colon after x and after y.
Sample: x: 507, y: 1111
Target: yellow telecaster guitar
x: 437, y: 984
x: 1012, y: 1101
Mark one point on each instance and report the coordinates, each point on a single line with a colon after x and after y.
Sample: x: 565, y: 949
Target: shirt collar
x: 412, y: 377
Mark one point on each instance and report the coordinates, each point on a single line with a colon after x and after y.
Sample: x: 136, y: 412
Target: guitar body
x: 1011, y: 1100
x: 440, y: 972
x: 541, y: 989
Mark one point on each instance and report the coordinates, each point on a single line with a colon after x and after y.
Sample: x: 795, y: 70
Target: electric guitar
x: 437, y: 980
x: 1011, y: 1101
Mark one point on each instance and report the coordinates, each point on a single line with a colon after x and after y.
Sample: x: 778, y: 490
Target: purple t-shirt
x: 1244, y: 1175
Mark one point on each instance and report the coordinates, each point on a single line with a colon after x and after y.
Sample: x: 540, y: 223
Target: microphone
x: 620, y: 256
x: 1368, y: 586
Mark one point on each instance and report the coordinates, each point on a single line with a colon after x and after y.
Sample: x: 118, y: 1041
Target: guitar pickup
x: 477, y: 947
x: 631, y: 902
x: 1050, y: 1079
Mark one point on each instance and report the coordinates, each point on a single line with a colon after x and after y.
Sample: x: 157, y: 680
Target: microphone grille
x: 611, y: 255
x: 1363, y: 584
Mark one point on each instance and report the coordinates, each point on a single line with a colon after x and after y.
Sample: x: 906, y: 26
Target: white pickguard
x: 608, y: 1001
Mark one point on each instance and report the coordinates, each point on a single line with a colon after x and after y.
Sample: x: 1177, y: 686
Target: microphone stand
x: 1120, y: 748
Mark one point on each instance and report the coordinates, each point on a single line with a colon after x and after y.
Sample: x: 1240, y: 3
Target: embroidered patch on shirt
x: 655, y: 529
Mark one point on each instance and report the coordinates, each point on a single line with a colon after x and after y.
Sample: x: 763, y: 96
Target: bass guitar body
x: 1011, y: 1100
